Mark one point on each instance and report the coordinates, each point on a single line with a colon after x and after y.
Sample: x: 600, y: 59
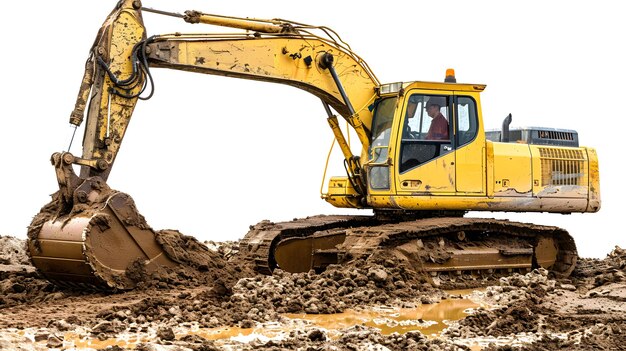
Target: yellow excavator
x: 426, y: 160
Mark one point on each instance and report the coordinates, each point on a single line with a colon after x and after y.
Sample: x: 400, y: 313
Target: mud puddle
x: 428, y: 319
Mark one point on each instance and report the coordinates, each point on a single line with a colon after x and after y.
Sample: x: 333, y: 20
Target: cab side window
x: 427, y: 118
x: 467, y: 120
x: 426, y: 130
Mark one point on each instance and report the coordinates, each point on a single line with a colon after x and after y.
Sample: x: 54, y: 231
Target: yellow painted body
x: 481, y: 175
x: 467, y: 172
x: 275, y: 59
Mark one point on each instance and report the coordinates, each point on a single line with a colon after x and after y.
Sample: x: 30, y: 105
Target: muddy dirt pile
x: 360, y: 283
x: 213, y: 288
x: 19, y: 282
x: 199, y: 266
x: 612, y: 269
x: 219, y: 292
x: 13, y: 251
x: 520, y: 297
x: 585, y: 312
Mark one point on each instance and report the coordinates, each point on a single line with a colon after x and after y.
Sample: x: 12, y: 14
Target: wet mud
x: 212, y: 288
x: 584, y: 312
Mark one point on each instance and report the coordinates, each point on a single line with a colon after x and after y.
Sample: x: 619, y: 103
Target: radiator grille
x: 563, y: 166
x: 555, y: 135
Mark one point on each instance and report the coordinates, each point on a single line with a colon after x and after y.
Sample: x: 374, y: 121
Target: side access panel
x: 512, y: 170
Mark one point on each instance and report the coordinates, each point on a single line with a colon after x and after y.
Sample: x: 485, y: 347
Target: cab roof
x: 444, y: 86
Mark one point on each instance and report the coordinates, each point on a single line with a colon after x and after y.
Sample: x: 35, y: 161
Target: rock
x: 103, y: 327
x: 312, y: 308
x: 174, y: 310
x: 377, y: 275
x: 18, y: 288
x: 41, y: 337
x: 54, y: 342
x: 568, y: 287
x: 294, y: 305
x: 316, y: 335
x: 60, y: 325
x: 246, y: 324
x: 166, y: 334
x: 426, y: 300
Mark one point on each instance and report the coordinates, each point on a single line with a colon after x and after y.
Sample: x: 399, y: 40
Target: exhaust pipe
x: 505, y: 135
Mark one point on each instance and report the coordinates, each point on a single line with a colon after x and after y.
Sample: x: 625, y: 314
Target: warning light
x: 450, y: 78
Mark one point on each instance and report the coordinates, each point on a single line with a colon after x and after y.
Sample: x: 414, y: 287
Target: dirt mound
x: 598, y: 337
x: 19, y: 282
x: 585, y: 312
x: 521, y: 297
x: 198, y: 266
x: 612, y: 269
x: 25, y: 287
x: 205, y: 276
x: 13, y: 251
x: 211, y: 300
x: 360, y: 283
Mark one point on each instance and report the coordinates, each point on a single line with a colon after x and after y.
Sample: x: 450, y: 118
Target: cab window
x: 467, y: 120
x: 379, y: 144
x: 426, y: 130
x: 427, y: 118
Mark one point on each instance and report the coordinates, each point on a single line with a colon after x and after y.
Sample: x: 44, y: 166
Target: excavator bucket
x: 103, y: 242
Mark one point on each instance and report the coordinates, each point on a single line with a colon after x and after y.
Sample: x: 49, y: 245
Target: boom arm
x: 294, y: 60
x: 118, y: 70
x: 90, y: 233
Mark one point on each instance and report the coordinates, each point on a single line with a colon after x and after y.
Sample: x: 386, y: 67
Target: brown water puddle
x: 79, y: 342
x: 428, y: 319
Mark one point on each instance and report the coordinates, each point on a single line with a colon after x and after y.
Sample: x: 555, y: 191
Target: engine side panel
x: 560, y: 172
x: 519, y: 178
x: 512, y: 170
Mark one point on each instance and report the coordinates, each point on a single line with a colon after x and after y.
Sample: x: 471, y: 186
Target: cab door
x: 470, y: 146
x: 425, y: 154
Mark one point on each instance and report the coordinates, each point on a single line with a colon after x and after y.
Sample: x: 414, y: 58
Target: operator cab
x: 417, y: 130
x: 428, y: 151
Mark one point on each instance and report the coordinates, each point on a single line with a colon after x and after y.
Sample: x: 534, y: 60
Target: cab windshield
x: 381, y: 123
x: 378, y: 171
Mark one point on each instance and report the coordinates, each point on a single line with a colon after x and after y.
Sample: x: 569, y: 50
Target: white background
x: 210, y: 155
